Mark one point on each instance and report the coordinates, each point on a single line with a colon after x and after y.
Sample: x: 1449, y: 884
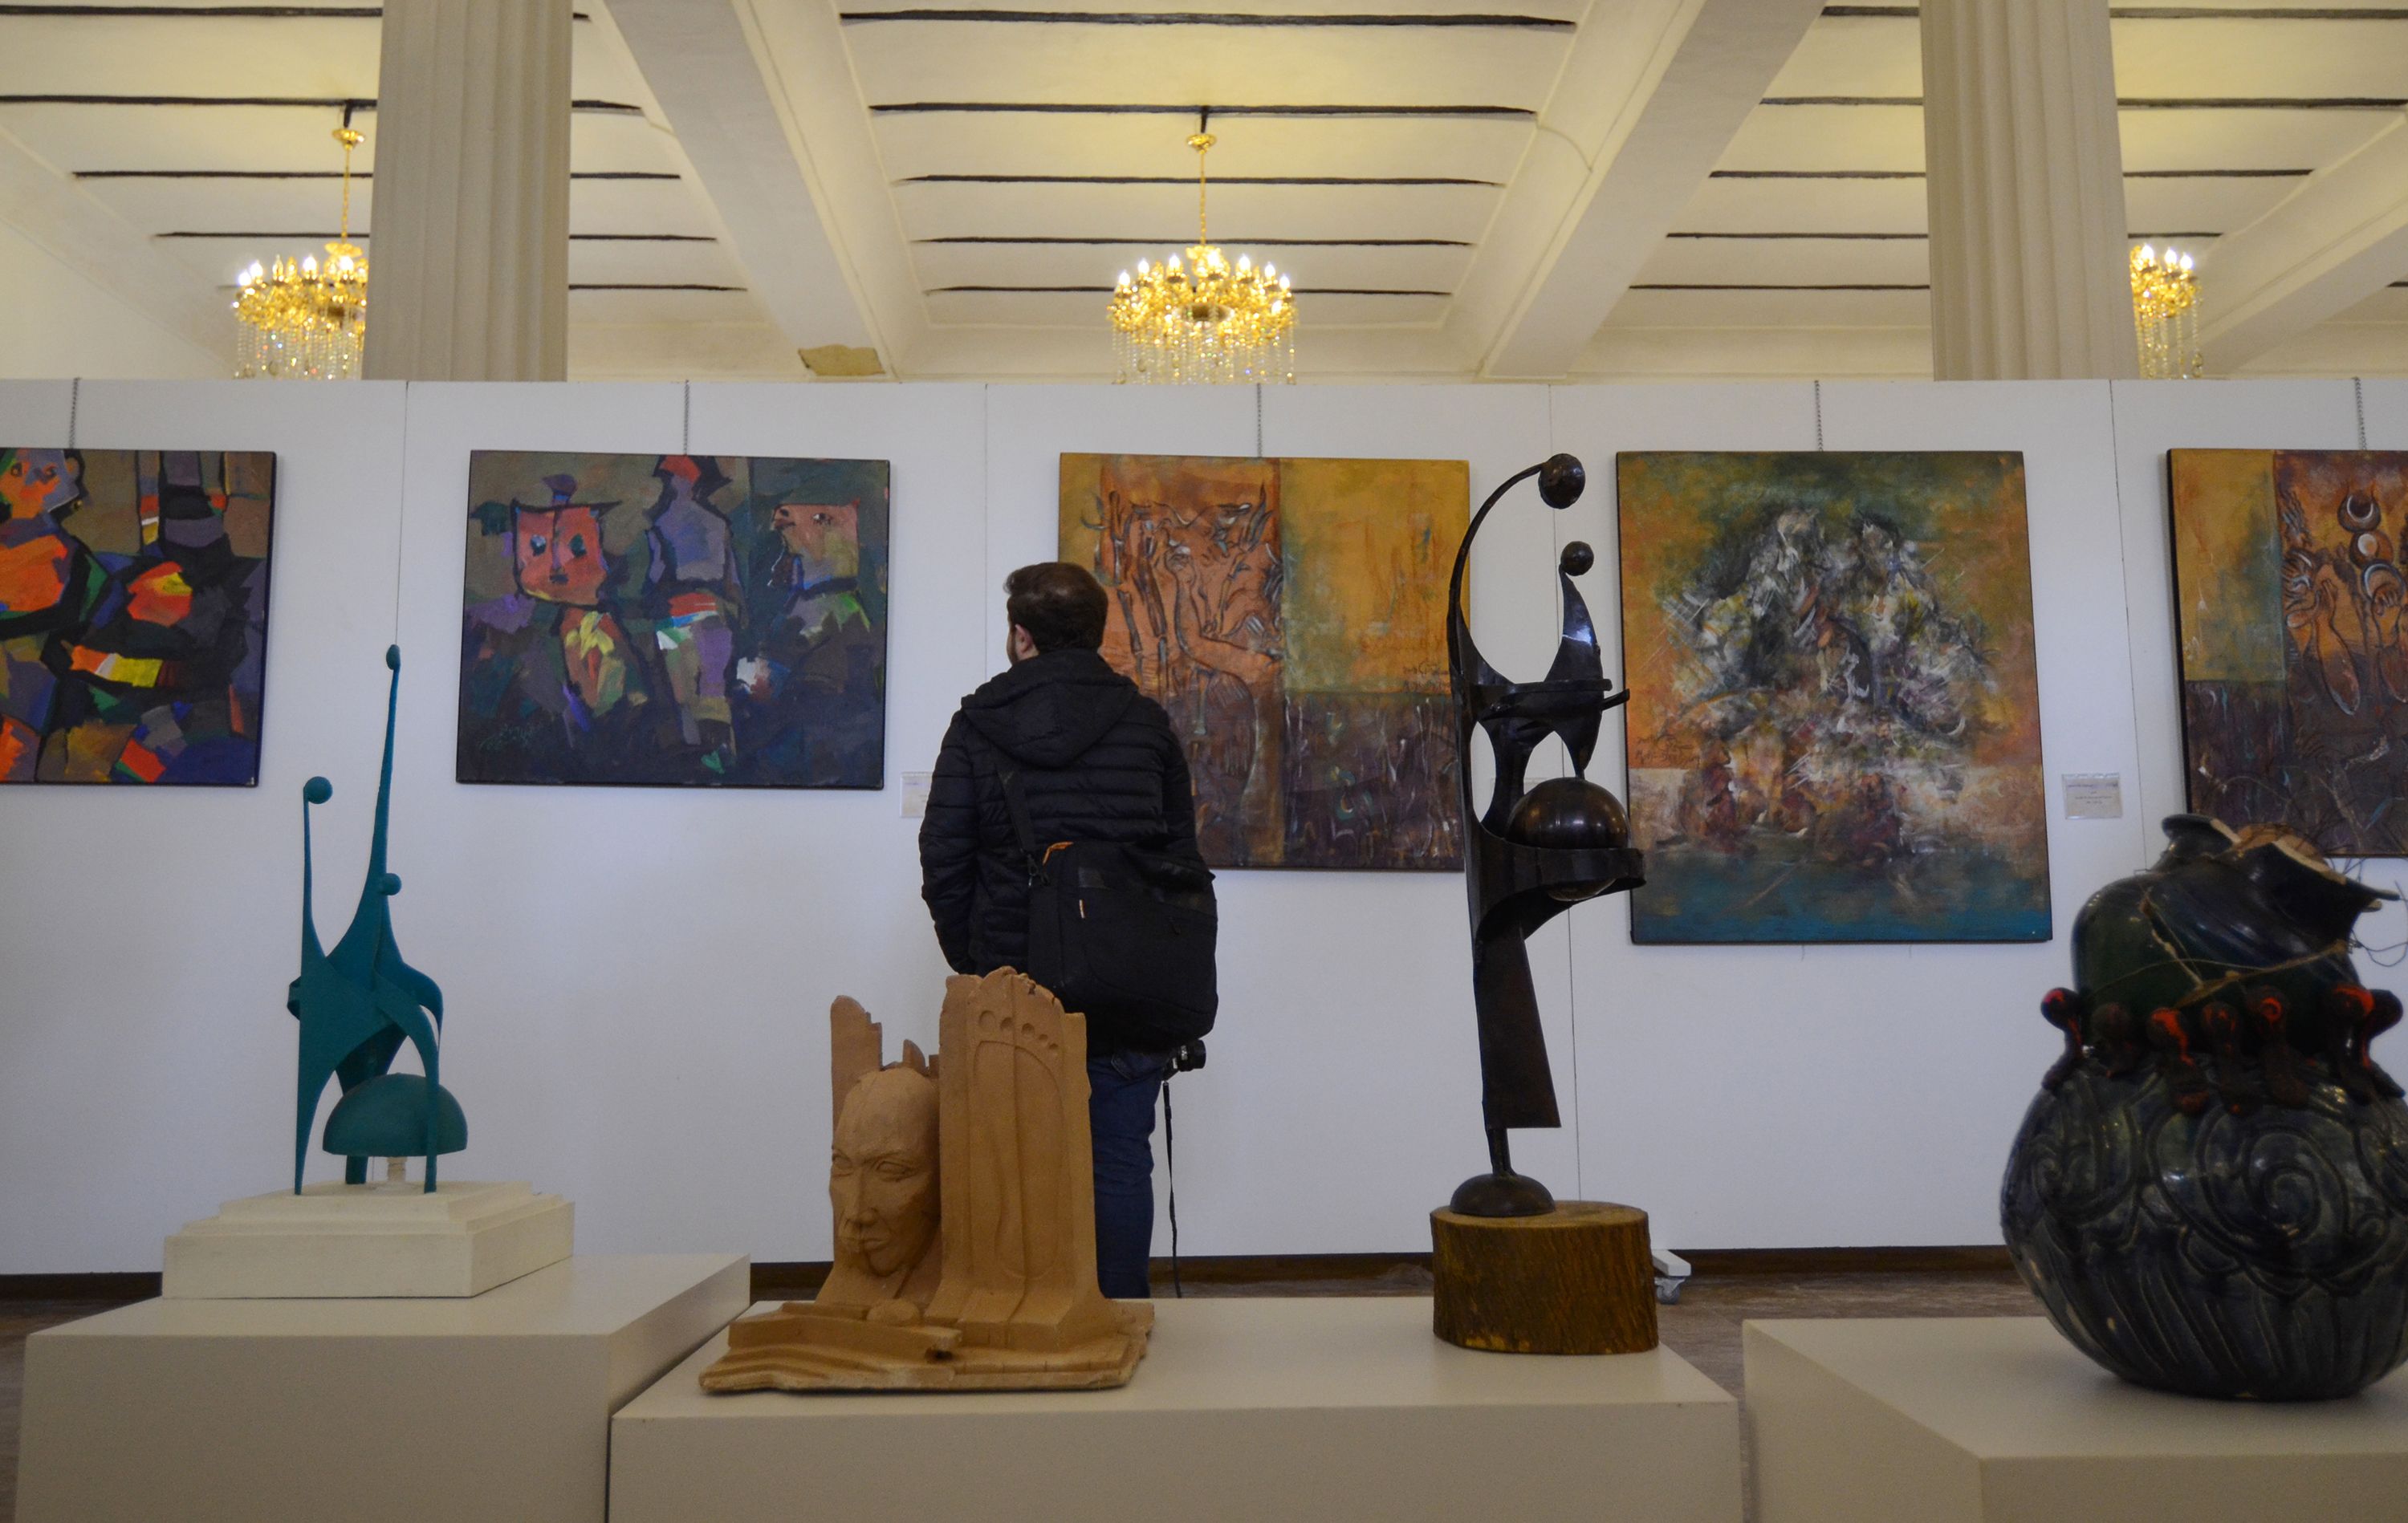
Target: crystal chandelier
x: 1206, y: 320
x: 306, y: 321
x: 2165, y: 312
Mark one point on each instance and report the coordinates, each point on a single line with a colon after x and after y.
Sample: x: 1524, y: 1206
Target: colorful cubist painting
x: 133, y: 615
x: 674, y: 621
x: 1291, y: 617
x: 2289, y: 585
x: 1834, y: 723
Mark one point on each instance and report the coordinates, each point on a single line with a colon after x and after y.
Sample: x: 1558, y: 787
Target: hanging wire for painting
x: 75, y: 401
x: 1818, y: 415
x: 1170, y: 1168
x: 2357, y: 385
x: 685, y: 437
x: 1258, y: 420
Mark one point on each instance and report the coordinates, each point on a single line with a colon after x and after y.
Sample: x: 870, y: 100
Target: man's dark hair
x: 1061, y: 605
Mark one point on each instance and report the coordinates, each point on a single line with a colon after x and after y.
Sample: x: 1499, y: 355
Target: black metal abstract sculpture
x: 1534, y: 853
x: 2210, y: 1193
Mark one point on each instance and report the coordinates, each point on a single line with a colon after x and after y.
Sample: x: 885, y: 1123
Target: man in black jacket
x: 1096, y: 761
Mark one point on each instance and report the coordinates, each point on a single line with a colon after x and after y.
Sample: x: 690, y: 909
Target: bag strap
x: 1017, y: 802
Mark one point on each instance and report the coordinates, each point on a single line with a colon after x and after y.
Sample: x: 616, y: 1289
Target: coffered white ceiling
x: 1583, y: 186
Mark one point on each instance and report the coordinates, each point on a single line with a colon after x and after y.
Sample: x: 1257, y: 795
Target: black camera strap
x: 1017, y: 802
x: 1170, y: 1173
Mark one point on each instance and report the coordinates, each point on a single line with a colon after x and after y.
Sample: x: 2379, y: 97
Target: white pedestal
x: 1258, y: 1409
x: 2000, y: 1419
x: 494, y: 1408
x: 335, y: 1239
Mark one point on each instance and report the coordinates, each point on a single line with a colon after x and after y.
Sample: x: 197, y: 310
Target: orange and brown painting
x: 2289, y: 585
x: 1834, y: 722
x: 1291, y: 617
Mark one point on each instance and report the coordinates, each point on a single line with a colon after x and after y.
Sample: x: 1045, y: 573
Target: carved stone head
x: 882, y: 1175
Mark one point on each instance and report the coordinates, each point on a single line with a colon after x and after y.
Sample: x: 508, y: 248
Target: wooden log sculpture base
x: 1577, y: 1280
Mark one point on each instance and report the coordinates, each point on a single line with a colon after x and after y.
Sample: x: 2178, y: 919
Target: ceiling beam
x: 1650, y: 98
x: 49, y: 209
x: 722, y: 100
x: 2339, y: 238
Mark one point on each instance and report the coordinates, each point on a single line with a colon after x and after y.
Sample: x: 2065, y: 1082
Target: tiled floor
x: 1703, y: 1329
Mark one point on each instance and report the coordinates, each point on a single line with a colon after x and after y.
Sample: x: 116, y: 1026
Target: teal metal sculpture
x: 358, y: 1004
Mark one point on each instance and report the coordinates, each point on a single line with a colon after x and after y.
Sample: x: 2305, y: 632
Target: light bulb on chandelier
x: 1210, y: 319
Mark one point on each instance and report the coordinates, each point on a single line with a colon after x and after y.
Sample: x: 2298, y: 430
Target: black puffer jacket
x: 1097, y: 762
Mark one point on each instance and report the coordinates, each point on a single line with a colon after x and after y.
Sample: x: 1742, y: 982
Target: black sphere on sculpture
x: 1561, y: 479
x: 1576, y: 560
x: 1569, y: 813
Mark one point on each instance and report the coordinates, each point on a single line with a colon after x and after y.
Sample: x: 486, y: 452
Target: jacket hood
x: 1048, y: 710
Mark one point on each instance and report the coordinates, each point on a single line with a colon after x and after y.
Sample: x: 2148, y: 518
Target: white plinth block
x: 1265, y: 1410
x: 2001, y: 1420
x: 335, y: 1239
x: 493, y: 1409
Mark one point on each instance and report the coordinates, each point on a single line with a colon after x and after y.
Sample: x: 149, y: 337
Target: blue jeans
x: 1121, y: 1092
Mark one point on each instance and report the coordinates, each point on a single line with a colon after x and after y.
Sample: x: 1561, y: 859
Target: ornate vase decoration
x: 2210, y: 1193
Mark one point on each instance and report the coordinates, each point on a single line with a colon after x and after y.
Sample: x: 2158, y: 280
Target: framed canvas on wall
x: 2289, y: 592
x: 674, y: 621
x: 1833, y: 733
x: 133, y: 615
x: 1291, y: 617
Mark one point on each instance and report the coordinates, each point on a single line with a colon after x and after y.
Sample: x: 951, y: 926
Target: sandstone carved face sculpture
x: 882, y: 1175
x: 983, y: 1279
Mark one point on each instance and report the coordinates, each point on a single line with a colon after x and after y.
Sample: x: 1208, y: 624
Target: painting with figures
x: 706, y: 621
x: 1291, y: 617
x: 133, y: 615
x: 1833, y: 733
x: 2288, y: 591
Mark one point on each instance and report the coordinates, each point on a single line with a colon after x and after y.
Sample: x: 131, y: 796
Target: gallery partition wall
x: 638, y: 978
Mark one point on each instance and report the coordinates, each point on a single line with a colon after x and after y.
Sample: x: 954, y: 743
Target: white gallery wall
x: 637, y: 979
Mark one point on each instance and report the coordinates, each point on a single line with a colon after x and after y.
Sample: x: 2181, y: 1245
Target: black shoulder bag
x: 1121, y: 934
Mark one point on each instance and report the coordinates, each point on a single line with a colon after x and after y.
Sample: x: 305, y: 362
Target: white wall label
x: 915, y: 794
x: 2094, y: 795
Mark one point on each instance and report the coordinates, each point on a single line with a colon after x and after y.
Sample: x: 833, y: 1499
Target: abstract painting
x: 133, y: 615
x: 2289, y: 590
x: 1834, y: 724
x: 1291, y: 617
x: 706, y: 621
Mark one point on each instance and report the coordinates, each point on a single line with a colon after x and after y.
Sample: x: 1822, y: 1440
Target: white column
x: 2029, y: 277
x: 468, y: 264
